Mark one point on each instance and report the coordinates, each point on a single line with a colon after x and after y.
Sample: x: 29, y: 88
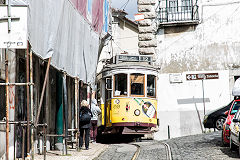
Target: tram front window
x: 137, y: 84
x: 151, y: 86
x: 120, y: 85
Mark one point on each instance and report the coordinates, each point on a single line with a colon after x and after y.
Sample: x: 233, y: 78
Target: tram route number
x: 134, y: 58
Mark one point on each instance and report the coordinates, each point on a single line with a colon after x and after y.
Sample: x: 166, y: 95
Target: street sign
x: 13, y: 27
x: 139, y: 17
x: 202, y: 76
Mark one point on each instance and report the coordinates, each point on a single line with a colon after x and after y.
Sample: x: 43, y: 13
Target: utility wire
x: 124, y: 5
x: 117, y: 45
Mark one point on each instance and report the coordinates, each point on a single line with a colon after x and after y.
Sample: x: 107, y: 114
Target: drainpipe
x: 76, y: 109
x: 65, y: 111
x: 59, y: 118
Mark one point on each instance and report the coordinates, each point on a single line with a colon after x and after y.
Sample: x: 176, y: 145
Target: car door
x: 235, y: 128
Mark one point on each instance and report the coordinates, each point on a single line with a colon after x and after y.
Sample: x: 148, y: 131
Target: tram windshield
x: 137, y: 84
x: 151, y: 86
x: 120, y: 85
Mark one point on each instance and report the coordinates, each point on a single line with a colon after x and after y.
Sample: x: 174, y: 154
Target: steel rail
x: 168, y: 150
x: 135, y: 156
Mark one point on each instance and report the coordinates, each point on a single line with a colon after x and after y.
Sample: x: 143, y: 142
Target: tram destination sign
x: 128, y: 58
x: 202, y: 76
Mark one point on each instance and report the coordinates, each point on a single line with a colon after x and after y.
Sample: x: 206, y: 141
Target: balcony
x: 179, y: 15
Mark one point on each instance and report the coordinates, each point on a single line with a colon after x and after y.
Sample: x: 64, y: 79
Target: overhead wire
x: 125, y: 5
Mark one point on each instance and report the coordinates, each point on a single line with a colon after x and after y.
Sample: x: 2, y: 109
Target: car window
x: 236, y: 116
x: 235, y: 107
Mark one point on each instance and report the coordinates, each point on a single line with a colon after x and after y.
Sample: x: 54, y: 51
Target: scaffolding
x: 31, y: 126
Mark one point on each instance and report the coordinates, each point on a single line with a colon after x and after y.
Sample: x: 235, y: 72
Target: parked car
x: 216, y: 118
x: 234, y: 132
x: 226, y: 126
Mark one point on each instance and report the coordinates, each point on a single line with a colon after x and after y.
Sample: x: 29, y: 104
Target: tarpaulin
x: 236, y: 88
x: 97, y: 15
x: 81, y: 6
x: 57, y: 29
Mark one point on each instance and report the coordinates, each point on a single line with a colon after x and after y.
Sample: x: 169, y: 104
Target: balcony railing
x: 178, y: 14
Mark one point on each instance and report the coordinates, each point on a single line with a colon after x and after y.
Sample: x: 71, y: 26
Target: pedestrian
x: 95, y: 112
x: 85, y: 115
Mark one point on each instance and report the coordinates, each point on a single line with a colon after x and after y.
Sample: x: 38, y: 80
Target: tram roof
x: 129, y: 66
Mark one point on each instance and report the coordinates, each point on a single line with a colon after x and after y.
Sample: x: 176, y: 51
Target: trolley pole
x: 7, y: 104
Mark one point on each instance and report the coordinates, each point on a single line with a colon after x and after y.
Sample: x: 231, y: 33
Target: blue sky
x: 131, y: 7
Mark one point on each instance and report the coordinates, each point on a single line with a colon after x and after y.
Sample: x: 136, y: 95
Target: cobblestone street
x: 202, y: 146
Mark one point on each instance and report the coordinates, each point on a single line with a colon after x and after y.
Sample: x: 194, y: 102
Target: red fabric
x: 97, y: 12
x: 97, y: 15
x: 81, y: 6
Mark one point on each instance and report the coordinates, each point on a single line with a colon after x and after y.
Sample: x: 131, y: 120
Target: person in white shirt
x: 95, y: 112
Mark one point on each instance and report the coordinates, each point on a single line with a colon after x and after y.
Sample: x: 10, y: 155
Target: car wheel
x: 219, y: 123
x: 223, y: 142
x: 232, y: 145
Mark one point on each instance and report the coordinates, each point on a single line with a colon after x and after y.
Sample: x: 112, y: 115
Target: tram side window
x: 151, y: 86
x: 120, y: 84
x: 137, y: 84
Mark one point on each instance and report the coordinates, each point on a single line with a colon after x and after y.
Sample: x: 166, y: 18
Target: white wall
x: 213, y: 44
x: 125, y: 38
x: 182, y: 118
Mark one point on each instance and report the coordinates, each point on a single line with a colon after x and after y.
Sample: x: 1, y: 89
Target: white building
x: 123, y: 40
x: 195, y: 38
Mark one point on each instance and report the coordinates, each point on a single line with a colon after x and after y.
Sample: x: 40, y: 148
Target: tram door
x: 108, y: 98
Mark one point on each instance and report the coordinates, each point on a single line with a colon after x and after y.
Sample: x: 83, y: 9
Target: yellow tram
x: 128, y: 97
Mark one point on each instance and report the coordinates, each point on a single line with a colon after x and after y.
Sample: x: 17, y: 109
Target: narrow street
x: 202, y: 146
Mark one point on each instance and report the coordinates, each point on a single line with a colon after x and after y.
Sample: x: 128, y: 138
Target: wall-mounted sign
x: 13, y: 33
x: 202, y: 76
x: 175, y: 78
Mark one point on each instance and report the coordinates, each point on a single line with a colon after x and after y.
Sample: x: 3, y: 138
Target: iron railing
x: 178, y: 14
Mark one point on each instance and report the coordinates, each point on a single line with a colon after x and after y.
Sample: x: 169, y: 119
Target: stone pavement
x: 95, y: 149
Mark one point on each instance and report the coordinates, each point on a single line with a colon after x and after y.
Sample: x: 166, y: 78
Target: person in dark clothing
x: 84, y: 125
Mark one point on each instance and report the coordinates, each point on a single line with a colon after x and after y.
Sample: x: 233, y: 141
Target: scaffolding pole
x: 28, y: 107
x: 7, y: 105
x: 42, y: 94
x: 31, y: 104
x: 76, y: 109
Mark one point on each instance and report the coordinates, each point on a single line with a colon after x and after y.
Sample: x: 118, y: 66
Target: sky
x: 131, y: 7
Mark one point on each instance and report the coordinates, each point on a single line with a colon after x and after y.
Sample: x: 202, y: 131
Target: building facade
x: 194, y: 39
x: 64, y: 39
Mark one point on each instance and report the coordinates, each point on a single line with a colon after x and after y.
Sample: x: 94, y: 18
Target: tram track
x: 135, y: 156
x: 168, y: 151
x: 167, y: 148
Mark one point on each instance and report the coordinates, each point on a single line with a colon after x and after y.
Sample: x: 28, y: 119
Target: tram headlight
x: 137, y: 112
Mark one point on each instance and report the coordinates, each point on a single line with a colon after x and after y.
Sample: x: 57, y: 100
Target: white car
x: 234, y: 132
